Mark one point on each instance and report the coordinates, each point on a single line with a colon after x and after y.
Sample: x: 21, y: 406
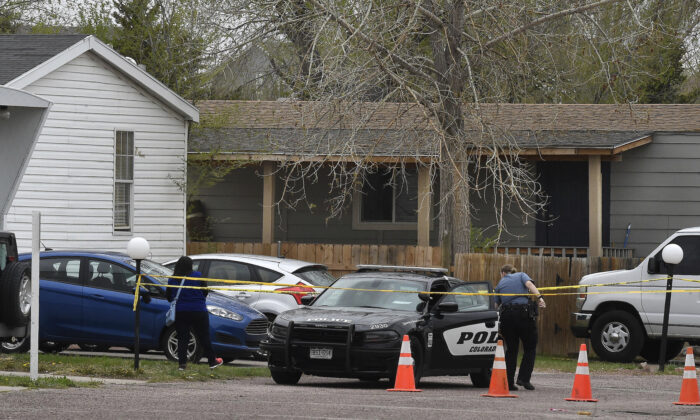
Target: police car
x: 355, y: 328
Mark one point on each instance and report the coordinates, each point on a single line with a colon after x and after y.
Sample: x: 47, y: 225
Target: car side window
x: 690, y: 264
x: 228, y: 270
x: 470, y: 302
x: 267, y: 276
x: 61, y: 269
x: 111, y: 276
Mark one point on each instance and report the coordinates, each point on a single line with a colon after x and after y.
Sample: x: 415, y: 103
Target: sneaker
x: 526, y: 385
x: 217, y: 362
x: 182, y: 367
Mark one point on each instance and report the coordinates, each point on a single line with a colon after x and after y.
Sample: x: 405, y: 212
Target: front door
x: 472, y: 331
x: 565, y: 218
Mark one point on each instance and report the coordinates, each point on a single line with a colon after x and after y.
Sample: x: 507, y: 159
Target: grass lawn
x: 595, y: 365
x: 113, y: 367
x: 166, y: 371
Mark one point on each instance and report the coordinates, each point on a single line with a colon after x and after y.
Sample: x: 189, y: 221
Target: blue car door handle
x: 100, y: 297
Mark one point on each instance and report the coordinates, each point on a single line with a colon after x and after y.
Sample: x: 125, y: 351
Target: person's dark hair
x: 508, y: 269
x: 183, y: 266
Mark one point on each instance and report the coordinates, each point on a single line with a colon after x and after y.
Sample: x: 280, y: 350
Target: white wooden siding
x: 70, y: 177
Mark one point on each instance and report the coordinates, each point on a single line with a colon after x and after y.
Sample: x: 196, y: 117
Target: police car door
x: 462, y: 338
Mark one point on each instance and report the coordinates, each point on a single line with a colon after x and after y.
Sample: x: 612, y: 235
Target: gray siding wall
x: 234, y: 208
x: 656, y: 189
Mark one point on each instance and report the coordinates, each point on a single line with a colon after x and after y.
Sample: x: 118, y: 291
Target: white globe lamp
x: 672, y: 254
x: 138, y: 248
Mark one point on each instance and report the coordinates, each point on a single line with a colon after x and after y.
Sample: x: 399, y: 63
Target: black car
x: 355, y: 328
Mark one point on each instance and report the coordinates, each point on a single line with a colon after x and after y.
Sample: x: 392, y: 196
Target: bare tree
x: 447, y: 62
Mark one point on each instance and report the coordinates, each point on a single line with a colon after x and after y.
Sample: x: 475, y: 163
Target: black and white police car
x: 355, y: 329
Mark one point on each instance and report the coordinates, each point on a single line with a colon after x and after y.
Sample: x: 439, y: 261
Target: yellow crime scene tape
x: 480, y: 293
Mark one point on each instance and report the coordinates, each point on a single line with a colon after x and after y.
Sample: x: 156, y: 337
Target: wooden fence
x: 555, y: 336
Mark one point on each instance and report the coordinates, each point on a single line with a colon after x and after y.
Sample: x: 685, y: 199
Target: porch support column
x: 595, y: 207
x: 424, y: 204
x: 268, y: 222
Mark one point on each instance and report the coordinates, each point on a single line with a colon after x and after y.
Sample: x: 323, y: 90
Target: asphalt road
x: 628, y: 396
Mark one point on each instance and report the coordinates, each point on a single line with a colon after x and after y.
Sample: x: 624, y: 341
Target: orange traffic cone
x: 689, y: 388
x: 582, y: 380
x: 498, y: 388
x: 404, y: 373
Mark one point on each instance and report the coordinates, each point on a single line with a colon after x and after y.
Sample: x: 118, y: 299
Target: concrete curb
x: 77, y: 378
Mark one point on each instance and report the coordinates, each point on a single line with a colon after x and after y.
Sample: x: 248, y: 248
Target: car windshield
x: 316, y: 275
x: 152, y: 268
x: 369, y: 298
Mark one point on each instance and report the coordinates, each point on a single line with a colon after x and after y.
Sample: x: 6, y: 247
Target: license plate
x: 320, y: 353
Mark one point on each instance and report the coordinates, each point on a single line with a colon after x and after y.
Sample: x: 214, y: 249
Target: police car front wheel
x: 285, y: 377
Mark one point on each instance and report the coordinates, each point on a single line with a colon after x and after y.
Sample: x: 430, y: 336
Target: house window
x: 123, y: 180
x: 389, y: 200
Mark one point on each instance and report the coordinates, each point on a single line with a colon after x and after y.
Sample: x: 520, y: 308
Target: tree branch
x: 544, y: 19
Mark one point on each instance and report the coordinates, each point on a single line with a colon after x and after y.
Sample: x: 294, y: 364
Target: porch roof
x: 284, y: 130
x: 288, y: 143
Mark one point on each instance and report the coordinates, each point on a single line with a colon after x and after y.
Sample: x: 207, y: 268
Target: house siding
x: 234, y: 208
x: 70, y: 176
x: 656, y: 189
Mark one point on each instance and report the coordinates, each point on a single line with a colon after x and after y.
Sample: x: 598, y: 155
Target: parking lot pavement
x: 628, y: 396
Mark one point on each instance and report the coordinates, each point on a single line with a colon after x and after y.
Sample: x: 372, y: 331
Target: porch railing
x: 558, y: 251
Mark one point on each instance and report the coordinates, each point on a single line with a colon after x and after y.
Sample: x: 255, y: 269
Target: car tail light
x: 297, y: 291
x: 10, y: 258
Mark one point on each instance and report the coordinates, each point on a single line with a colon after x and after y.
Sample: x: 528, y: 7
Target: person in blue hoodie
x: 191, y: 313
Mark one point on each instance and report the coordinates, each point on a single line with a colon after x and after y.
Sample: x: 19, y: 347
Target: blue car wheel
x: 169, y: 345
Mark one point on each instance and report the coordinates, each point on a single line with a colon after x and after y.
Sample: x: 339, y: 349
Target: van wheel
x: 617, y: 336
x: 651, y: 349
x: 16, y: 294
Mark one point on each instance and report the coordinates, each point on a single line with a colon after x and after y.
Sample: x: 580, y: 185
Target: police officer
x: 518, y: 322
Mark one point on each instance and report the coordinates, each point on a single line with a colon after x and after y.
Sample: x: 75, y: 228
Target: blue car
x: 86, y: 298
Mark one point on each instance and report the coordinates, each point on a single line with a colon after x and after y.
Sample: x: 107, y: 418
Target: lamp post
x: 138, y: 250
x: 672, y: 254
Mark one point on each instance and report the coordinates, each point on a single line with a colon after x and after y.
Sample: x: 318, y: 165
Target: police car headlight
x: 379, y: 336
x: 277, y: 331
x: 224, y: 313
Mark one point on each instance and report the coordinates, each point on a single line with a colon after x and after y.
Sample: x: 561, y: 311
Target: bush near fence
x: 555, y: 335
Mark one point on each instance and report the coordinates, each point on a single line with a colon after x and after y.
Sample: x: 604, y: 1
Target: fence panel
x: 555, y: 336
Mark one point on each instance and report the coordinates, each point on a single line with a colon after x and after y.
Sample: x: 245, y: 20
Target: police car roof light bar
x: 433, y: 270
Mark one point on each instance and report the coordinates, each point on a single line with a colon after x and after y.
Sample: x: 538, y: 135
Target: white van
x: 626, y: 324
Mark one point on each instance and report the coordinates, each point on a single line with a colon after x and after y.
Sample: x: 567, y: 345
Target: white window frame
x: 130, y: 222
x: 359, y: 224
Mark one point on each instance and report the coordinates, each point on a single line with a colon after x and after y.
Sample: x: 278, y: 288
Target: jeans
x: 198, y: 322
x: 517, y: 326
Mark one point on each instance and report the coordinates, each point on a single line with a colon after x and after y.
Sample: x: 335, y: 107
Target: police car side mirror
x: 447, y: 307
x: 306, y: 300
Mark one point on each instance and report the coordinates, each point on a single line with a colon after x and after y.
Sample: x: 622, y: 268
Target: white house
x: 109, y: 163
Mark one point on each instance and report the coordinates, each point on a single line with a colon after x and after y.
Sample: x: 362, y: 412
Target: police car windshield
x: 370, y: 296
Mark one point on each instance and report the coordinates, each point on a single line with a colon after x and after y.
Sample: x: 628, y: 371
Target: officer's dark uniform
x: 517, y: 324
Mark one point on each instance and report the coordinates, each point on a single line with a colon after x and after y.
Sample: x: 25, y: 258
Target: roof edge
x: 136, y: 74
